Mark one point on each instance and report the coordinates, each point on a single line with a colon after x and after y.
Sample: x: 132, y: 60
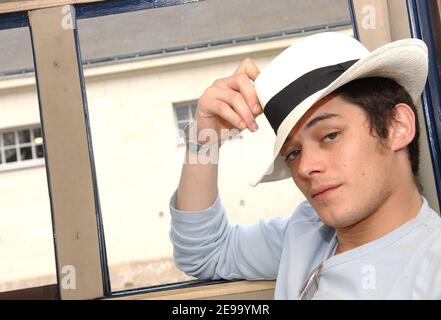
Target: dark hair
x: 378, y: 97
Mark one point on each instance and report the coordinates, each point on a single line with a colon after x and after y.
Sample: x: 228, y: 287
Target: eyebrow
x: 321, y: 117
x: 316, y: 120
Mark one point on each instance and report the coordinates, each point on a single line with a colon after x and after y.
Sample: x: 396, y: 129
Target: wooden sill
x: 232, y: 290
x: 47, y: 292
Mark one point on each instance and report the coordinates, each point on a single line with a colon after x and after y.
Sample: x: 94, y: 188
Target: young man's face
x: 340, y: 167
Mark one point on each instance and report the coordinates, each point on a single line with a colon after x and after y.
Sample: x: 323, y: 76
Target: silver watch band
x: 197, y: 147
x: 190, y: 136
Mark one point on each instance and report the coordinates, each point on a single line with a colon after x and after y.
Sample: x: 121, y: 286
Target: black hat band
x: 279, y: 106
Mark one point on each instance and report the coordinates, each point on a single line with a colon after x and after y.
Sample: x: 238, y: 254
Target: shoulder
x: 429, y: 234
x: 428, y: 281
x: 430, y: 221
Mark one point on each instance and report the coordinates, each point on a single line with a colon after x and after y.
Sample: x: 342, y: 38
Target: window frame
x: 20, y: 164
x: 183, y: 104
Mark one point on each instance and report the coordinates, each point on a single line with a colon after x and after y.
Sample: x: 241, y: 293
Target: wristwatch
x: 197, y: 147
x: 192, y: 144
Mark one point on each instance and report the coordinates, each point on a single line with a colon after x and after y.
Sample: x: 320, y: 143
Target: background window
x: 21, y: 145
x: 184, y: 115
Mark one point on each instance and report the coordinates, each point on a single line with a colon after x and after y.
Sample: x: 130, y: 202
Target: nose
x: 311, y: 163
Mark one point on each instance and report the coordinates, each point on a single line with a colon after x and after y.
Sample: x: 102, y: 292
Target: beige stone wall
x: 26, y: 238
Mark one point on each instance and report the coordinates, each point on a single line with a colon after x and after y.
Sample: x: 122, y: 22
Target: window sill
x: 241, y: 290
x: 7, y: 167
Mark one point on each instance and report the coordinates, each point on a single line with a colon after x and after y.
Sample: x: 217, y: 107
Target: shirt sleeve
x: 206, y: 246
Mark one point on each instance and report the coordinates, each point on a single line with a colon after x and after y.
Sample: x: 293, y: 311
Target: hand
x: 230, y: 103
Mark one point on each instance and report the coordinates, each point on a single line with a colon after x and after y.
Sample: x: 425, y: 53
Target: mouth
x: 323, y: 191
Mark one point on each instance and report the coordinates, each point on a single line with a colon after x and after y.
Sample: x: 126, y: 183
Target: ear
x: 402, y: 127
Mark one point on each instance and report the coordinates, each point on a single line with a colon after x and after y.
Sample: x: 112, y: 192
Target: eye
x: 292, y: 155
x: 331, y: 136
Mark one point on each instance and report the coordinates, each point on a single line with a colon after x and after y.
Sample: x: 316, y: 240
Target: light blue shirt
x: 403, y: 264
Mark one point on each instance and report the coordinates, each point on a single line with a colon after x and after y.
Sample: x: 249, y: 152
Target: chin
x: 337, y: 219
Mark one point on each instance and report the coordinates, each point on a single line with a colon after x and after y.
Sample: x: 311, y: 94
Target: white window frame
x: 20, y: 164
x: 185, y: 104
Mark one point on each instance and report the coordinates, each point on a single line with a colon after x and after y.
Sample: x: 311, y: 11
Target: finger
x: 214, y: 106
x: 225, y: 112
x: 243, y: 84
x: 249, y: 68
x: 237, y: 103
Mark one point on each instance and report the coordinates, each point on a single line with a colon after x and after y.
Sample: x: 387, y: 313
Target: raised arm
x: 230, y: 103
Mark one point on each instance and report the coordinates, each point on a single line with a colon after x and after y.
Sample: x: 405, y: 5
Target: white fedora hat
x: 316, y: 66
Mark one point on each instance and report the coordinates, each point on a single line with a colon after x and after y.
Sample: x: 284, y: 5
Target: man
x: 347, y: 133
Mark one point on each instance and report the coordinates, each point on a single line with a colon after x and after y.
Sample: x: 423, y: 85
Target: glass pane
x: 39, y: 151
x: 135, y: 113
x: 37, y: 133
x: 435, y: 18
x: 9, y: 138
x: 25, y: 153
x: 193, y: 109
x: 26, y: 239
x: 24, y: 136
x: 182, y: 113
x: 38, y: 139
x: 11, y: 155
x: 181, y: 127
